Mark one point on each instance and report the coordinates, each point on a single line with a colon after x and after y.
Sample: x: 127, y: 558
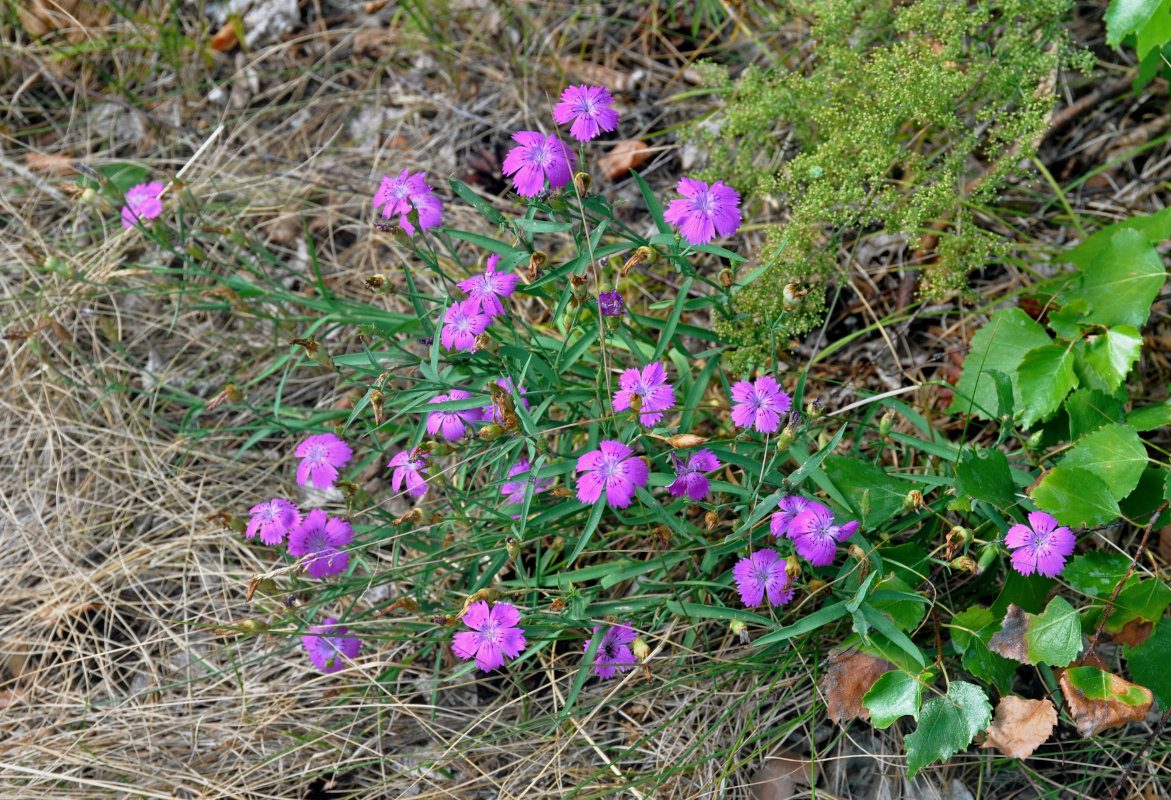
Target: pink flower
x: 491, y: 413
x: 494, y: 635
x: 782, y: 521
x: 487, y: 289
x: 1041, y: 546
x: 688, y: 478
x: 514, y: 491
x: 815, y: 535
x: 453, y: 424
x: 588, y: 108
x: 651, y: 387
x: 613, y: 654
x: 760, y: 404
x: 536, y: 158
x: 399, y: 195
x: 704, y: 211
x: 142, y: 202
x: 329, y: 647
x: 272, y: 520
x: 320, y: 541
x: 321, y: 457
x: 611, y: 467
x: 760, y: 574
x: 462, y: 323
x: 410, y: 468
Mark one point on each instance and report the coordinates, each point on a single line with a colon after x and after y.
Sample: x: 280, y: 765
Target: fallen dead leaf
x: 1094, y: 716
x: 1020, y: 725
x: 625, y: 156
x: 225, y: 38
x: 74, y: 17
x: 598, y: 74
x: 777, y: 779
x: 1134, y: 632
x: 1009, y: 641
x: 52, y: 163
x: 849, y: 676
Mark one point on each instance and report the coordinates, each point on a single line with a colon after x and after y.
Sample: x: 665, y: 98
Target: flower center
x: 538, y: 154
x: 316, y: 452
x: 609, y: 468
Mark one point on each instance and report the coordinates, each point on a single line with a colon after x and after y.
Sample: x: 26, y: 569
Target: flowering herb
x: 613, y: 654
x: 494, y: 635
x: 816, y: 536
x: 535, y: 159
x: 453, y: 424
x: 689, y: 479
x: 142, y: 203
x: 611, y: 467
x: 272, y: 520
x: 761, y: 575
x: 329, y: 647
x: 322, y: 455
x: 399, y: 195
x: 491, y: 413
x: 650, y: 386
x: 462, y: 323
x: 514, y: 491
x: 611, y: 304
x: 1041, y: 546
x: 759, y: 404
x: 704, y: 210
x: 588, y: 107
x: 320, y: 540
x: 782, y: 521
x: 487, y: 289
x: 409, y: 468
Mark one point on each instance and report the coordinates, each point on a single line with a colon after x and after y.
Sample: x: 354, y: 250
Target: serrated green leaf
x: 1076, y: 497
x: 1054, y: 636
x: 1110, y: 356
x: 895, y: 694
x: 1096, y: 573
x: 947, y: 725
x: 1157, y: 31
x: 1114, y: 453
x: 1122, y: 281
x: 1156, y: 227
x: 999, y: 345
x: 1140, y: 598
x: 1045, y: 377
x: 1097, y: 685
x: 983, y: 474
x: 1148, y: 418
x: 1090, y: 409
x: 1148, y: 663
x: 1124, y: 17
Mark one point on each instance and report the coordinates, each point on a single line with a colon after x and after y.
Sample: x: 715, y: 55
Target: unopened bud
x: 793, y: 568
x: 440, y: 448
x: 536, y: 261
x: 661, y: 536
x: 855, y: 552
x: 316, y: 352
x: 579, y: 289
x: 961, y: 533
x: 966, y: 563
x: 444, y: 620
x: 740, y: 628
x: 416, y: 516
x: 490, y: 433
x: 864, y: 505
x: 378, y: 283
x: 987, y: 556
x: 885, y: 424
x: 582, y: 182
x: 815, y: 585
x: 727, y: 278
x: 640, y: 649
x: 376, y: 398
x: 635, y: 402
x: 823, y: 440
x: 485, y: 342
x: 254, y: 626
x: 684, y: 440
x: 786, y: 438
x: 914, y: 499
x: 709, y: 520
x: 640, y: 255
x: 89, y: 196
x: 813, y: 408
x: 512, y: 546
x: 791, y: 297
x: 558, y: 605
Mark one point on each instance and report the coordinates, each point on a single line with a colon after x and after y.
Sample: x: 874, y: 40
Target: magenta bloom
x: 760, y: 574
x: 329, y: 647
x: 514, y: 491
x: 399, y: 195
x: 536, y: 158
x: 651, y: 387
x: 1041, y: 546
x: 494, y: 635
x: 611, y: 304
x: 463, y: 322
x: 492, y: 413
x: 612, y: 467
x: 689, y: 479
x: 704, y: 211
x: 782, y: 521
x: 453, y: 424
x: 613, y: 654
x: 272, y: 520
x: 410, y: 468
x: 320, y: 540
x: 588, y: 108
x: 815, y: 535
x: 142, y: 202
x: 487, y: 289
x: 759, y: 404
x: 321, y: 456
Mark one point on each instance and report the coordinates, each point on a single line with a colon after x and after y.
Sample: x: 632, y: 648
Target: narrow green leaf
x: 1076, y: 497
x: 652, y: 203
x: 947, y: 725
x: 822, y: 616
x: 591, y: 526
x: 1045, y: 377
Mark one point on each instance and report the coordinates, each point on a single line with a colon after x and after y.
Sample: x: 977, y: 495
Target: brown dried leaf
x: 1020, y: 726
x: 849, y: 676
x: 1009, y: 641
x: 225, y: 38
x: 75, y: 17
x: 1093, y: 716
x: 625, y: 156
x: 777, y: 779
x: 52, y: 163
x: 1134, y: 632
x: 597, y: 74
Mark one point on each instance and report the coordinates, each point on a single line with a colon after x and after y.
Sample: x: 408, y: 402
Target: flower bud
x: 815, y: 585
x: 885, y: 424
x: 536, y: 262
x: 582, y: 182
x: 914, y: 499
x: 376, y: 398
x: 512, y: 546
x: 793, y: 567
x: 316, y: 352
x: 640, y: 255
x: 727, y: 278
x: 791, y: 297
x: 813, y: 408
x: 740, y: 628
x: 684, y: 440
x: 561, y: 492
x: 579, y: 289
x: 485, y: 342
x: 254, y: 626
x: 786, y: 438
x: 987, y: 556
x: 822, y: 440
x: 864, y: 505
x: 635, y: 403
x: 966, y: 563
x: 710, y: 519
x: 444, y: 620
x: 490, y: 433
x: 438, y: 448
x: 89, y: 196
x: 640, y: 649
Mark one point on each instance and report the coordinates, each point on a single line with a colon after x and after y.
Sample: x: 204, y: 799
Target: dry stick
x: 1130, y: 767
x: 1130, y: 571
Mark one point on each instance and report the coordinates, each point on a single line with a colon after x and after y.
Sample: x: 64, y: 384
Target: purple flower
x: 762, y: 573
x: 272, y: 520
x: 536, y: 158
x: 410, y: 467
x: 514, y: 491
x: 142, y: 202
x: 611, y: 467
x: 398, y: 195
x: 613, y: 654
x: 1040, y: 546
x: 815, y: 535
x: 704, y: 211
x: 452, y: 423
x: 759, y: 404
x: 651, y: 387
x: 321, y: 456
x: 487, y: 289
x: 320, y: 540
x: 329, y: 647
x: 494, y: 635
x: 491, y: 413
x: 588, y: 107
x: 689, y: 480
x: 782, y: 521
x: 463, y: 322
x: 611, y: 304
